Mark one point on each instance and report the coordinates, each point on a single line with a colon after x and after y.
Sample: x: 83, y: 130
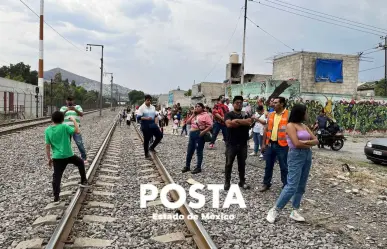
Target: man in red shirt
x: 218, y: 112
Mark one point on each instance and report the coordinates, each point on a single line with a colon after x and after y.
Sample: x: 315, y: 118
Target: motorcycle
x: 332, y: 136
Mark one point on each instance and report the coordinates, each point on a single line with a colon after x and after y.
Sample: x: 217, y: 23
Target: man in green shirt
x: 72, y: 110
x: 57, y: 138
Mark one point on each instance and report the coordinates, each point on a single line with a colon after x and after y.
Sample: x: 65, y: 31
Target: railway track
x: 73, y: 223
x: 198, y: 232
x: 25, y: 124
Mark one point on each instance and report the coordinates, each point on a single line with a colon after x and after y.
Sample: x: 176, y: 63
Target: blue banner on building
x: 170, y: 99
x: 329, y: 71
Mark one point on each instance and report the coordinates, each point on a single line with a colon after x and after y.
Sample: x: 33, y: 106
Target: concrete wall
x: 256, y: 77
x: 301, y: 66
x: 163, y: 100
x: 177, y: 96
x: 24, y: 101
x: 366, y: 93
x: 207, y: 92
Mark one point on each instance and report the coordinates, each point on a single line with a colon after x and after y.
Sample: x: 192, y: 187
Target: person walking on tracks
x: 149, y: 125
x: 275, y: 144
x: 57, y: 138
x: 219, y: 111
x: 300, y: 140
x: 238, y: 124
x: 73, y: 110
x: 201, y: 124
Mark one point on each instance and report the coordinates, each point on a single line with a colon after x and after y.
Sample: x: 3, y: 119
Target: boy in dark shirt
x: 57, y: 137
x: 238, y: 124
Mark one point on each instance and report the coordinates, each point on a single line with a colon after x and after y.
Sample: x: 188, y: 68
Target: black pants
x: 239, y: 151
x: 59, y: 168
x: 148, y: 134
x: 128, y: 122
x: 184, y: 129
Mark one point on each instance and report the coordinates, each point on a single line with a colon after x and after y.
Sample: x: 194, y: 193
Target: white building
x: 18, y: 100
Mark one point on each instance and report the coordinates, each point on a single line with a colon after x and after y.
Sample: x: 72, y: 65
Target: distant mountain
x: 86, y: 83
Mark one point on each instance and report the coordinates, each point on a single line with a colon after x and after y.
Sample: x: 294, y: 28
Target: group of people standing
x: 279, y: 135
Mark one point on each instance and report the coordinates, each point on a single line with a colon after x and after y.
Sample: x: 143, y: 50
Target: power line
x: 371, y: 52
x: 56, y: 30
x: 370, y: 69
x: 385, y: 30
x: 311, y: 13
x: 269, y: 34
x: 365, y: 50
x: 229, y: 41
x: 318, y: 19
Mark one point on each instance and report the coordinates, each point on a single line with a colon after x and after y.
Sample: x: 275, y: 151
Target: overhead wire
x: 228, y: 44
x: 364, y: 31
x: 371, y: 69
x: 270, y: 34
x: 372, y: 52
x: 328, y: 18
x: 336, y: 17
x: 57, y: 31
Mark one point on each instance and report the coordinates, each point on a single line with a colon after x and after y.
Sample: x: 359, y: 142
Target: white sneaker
x: 253, y: 154
x: 296, y: 216
x: 261, y: 156
x: 272, y: 215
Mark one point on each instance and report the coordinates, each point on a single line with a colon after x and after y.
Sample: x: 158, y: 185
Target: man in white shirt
x: 149, y: 125
x: 260, y: 122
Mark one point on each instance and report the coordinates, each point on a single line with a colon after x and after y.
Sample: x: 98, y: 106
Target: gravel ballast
x: 134, y: 227
x: 25, y: 183
x: 334, y: 218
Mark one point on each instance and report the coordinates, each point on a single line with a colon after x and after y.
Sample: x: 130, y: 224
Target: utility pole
x: 100, y: 89
x: 111, y: 91
x: 40, y: 73
x: 244, y: 47
x: 385, y: 66
x: 51, y: 97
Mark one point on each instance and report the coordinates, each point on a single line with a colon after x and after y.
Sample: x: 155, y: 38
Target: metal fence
x: 20, y: 105
x: 15, y: 105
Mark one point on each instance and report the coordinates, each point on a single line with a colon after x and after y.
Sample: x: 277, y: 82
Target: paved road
x: 353, y: 150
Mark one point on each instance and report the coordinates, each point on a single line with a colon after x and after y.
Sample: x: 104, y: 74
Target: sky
x: 159, y: 45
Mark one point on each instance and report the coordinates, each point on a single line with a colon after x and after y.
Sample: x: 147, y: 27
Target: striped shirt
x: 73, y: 114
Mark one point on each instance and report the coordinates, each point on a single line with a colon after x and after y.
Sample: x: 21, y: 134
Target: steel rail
x: 199, y: 233
x: 28, y: 124
x: 63, y: 229
x: 16, y: 122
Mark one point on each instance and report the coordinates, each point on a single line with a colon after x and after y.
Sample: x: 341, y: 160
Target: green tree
x: 32, y: 78
x: 4, y: 71
x: 188, y: 93
x: 58, y: 77
x: 73, y: 83
x: 380, y: 88
x: 136, y: 97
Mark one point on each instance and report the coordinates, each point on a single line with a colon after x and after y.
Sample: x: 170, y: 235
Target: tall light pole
x: 100, y: 89
x: 111, y: 91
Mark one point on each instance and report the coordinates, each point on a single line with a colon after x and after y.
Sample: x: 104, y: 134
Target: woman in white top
x: 260, y: 121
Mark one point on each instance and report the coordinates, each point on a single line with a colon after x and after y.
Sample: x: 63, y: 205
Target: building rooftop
x: 308, y: 52
x: 367, y: 86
